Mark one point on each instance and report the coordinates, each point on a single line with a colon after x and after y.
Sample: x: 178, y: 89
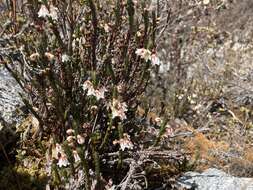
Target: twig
x: 189, y: 134
x: 132, y: 169
x: 142, y: 176
x: 14, y: 14
x: 94, y: 124
x: 7, y: 24
x: 149, y: 154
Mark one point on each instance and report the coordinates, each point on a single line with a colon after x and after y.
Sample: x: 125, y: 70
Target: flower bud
x: 34, y: 56
x: 80, y: 139
x: 94, y: 110
x: 70, y: 131
x: 49, y: 56
x: 158, y: 120
x: 70, y: 139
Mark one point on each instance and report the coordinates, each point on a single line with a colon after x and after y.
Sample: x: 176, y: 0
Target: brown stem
x: 95, y: 33
x: 14, y: 7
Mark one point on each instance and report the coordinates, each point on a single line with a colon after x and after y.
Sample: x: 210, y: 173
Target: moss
x: 17, y: 178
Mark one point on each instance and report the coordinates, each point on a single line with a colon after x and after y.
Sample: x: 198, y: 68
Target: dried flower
x: 144, y: 54
x: 124, y: 142
x: 80, y: 139
x: 118, y: 109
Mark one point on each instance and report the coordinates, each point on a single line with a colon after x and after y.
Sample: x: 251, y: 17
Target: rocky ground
x: 215, y: 94
x: 213, y: 179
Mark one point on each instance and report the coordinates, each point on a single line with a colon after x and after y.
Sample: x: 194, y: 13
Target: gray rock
x: 214, y: 179
x: 9, y: 117
x: 9, y: 98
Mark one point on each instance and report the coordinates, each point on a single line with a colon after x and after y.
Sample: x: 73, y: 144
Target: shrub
x: 82, y: 66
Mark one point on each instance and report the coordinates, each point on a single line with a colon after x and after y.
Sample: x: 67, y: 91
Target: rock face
x: 214, y: 179
x: 9, y: 102
x: 9, y: 98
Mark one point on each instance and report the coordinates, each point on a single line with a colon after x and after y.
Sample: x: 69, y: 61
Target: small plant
x: 82, y: 66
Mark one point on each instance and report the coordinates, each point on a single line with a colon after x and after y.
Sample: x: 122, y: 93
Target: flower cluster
x: 148, y: 56
x: 144, y: 54
x: 72, y: 138
x: 118, y: 109
x: 59, y: 153
x: 65, y: 58
x: 125, y: 142
x: 61, y: 156
x: 98, y: 93
x: 52, y: 12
